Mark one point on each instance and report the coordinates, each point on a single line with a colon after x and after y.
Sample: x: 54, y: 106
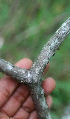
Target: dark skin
x: 15, y: 99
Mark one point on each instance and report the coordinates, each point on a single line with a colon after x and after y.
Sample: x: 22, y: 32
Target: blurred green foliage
x: 25, y: 26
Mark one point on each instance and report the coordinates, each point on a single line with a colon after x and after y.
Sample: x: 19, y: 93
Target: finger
x: 47, y: 68
x: 48, y: 85
x: 25, y: 109
x: 28, y: 105
x: 33, y: 115
x: 3, y: 116
x: 16, y: 100
x: 24, y: 63
x: 49, y: 101
x: 8, y: 85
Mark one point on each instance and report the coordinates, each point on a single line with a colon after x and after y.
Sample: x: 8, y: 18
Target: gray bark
x: 33, y: 76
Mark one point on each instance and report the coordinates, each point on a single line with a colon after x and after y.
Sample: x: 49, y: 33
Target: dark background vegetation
x: 25, y: 26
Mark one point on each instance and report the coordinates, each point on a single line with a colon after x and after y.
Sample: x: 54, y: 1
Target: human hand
x: 15, y: 99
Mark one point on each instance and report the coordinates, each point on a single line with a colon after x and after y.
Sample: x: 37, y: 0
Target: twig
x: 33, y: 76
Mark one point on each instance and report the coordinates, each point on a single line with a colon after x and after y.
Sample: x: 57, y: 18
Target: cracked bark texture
x: 33, y: 76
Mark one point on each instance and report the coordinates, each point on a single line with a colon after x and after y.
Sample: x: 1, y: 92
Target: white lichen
x: 9, y: 67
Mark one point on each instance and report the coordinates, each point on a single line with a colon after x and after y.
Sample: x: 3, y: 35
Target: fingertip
x: 47, y: 68
x: 48, y: 85
x: 24, y: 63
x: 49, y: 101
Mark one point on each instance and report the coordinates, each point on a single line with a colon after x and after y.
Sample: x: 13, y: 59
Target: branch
x: 21, y: 75
x: 33, y: 76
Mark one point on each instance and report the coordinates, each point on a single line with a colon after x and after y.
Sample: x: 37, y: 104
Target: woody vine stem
x: 33, y: 76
